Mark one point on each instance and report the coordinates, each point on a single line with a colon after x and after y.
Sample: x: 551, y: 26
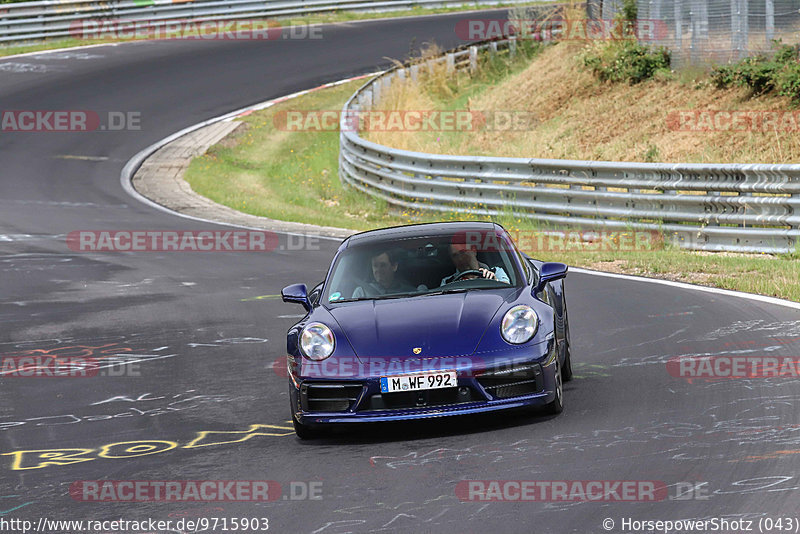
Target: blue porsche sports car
x: 428, y: 320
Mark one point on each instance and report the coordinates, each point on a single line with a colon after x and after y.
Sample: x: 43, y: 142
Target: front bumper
x: 523, y: 383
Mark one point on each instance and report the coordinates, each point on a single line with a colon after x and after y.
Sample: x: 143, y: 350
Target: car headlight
x: 519, y: 324
x: 316, y: 341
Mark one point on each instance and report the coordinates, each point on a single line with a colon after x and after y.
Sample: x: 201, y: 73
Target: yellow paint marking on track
x: 40, y: 458
x: 771, y: 456
x: 235, y: 436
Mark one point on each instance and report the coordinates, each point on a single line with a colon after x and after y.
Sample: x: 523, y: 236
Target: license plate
x: 418, y: 381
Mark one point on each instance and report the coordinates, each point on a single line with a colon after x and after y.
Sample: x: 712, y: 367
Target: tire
x: 304, y: 431
x: 566, y: 372
x: 557, y: 405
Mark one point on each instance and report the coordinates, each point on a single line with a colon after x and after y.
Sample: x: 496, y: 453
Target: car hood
x: 439, y: 325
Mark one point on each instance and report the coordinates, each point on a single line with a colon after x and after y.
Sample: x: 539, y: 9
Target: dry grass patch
x: 579, y: 117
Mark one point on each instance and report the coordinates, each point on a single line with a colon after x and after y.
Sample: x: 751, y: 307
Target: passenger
x: 384, y: 271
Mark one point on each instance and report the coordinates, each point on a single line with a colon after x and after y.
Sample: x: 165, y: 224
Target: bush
x: 763, y: 74
x: 787, y: 81
x: 755, y: 72
x: 626, y: 61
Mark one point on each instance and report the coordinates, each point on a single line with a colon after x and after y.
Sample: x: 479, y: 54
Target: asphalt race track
x: 201, y: 395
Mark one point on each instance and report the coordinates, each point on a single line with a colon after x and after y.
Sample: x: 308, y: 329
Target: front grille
x: 422, y: 399
x: 513, y: 381
x: 328, y: 396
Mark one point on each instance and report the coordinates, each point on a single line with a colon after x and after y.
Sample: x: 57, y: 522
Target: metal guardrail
x: 736, y: 207
x: 27, y: 21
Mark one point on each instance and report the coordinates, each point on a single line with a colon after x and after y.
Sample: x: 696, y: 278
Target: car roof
x: 419, y: 230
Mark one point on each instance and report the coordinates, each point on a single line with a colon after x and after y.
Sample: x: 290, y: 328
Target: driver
x: 384, y: 271
x: 465, y: 258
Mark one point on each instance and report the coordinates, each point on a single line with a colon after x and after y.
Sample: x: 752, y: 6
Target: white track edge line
x: 65, y: 49
x: 682, y: 285
x: 133, y: 164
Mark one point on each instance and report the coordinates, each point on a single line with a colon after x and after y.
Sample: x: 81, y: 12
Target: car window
x: 420, y: 265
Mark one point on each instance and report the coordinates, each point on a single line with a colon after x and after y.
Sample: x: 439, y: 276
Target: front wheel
x: 557, y: 405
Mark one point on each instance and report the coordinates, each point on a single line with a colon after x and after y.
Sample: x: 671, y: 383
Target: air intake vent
x: 513, y: 381
x: 329, y: 396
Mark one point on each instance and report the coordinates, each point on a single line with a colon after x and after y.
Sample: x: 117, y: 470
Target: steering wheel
x: 471, y: 272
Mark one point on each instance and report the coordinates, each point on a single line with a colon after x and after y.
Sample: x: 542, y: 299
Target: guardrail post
x: 451, y: 63
x: 376, y: 94
x: 387, y: 84
x: 473, y: 58
x: 512, y: 47
x: 414, y: 73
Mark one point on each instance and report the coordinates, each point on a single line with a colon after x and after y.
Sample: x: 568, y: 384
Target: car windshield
x: 409, y: 267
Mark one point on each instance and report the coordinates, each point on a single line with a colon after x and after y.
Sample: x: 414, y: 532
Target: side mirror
x: 298, y: 294
x: 549, y: 272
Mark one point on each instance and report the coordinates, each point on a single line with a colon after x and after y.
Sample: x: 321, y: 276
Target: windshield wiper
x: 377, y: 297
x: 451, y: 290
x: 395, y: 296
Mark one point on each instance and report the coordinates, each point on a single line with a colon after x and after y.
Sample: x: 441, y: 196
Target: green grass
x: 321, y: 18
x: 10, y: 50
x: 293, y: 176
x: 290, y: 176
x: 762, y: 274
